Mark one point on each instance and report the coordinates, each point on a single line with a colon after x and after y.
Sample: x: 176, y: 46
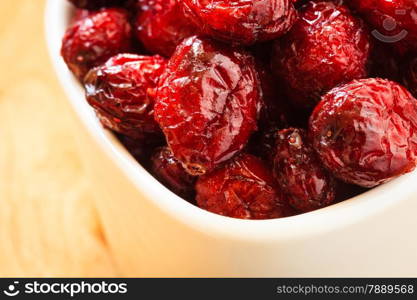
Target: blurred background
x: 48, y: 223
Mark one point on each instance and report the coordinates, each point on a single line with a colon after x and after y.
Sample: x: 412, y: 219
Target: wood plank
x: 48, y: 223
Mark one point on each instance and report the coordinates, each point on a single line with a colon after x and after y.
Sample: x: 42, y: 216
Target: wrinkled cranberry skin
x: 161, y: 25
x: 300, y: 173
x: 243, y: 188
x: 172, y: 174
x: 365, y: 132
x: 393, y: 22
x: 410, y: 75
x: 122, y: 91
x: 242, y: 22
x: 326, y: 46
x: 94, y: 39
x: 208, y: 103
x: 96, y: 4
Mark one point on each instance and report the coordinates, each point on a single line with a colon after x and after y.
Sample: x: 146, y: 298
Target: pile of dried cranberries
x: 254, y: 109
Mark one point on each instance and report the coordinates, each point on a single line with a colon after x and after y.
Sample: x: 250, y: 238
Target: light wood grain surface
x: 48, y: 223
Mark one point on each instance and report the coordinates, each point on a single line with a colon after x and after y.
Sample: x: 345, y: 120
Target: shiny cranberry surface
x: 243, y: 188
x: 365, y: 132
x: 300, y: 173
x: 161, y: 25
x: 95, y: 38
x: 172, y: 174
x: 208, y: 103
x: 122, y: 91
x: 242, y: 22
x: 326, y: 46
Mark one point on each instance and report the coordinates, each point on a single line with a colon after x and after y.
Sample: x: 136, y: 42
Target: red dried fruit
x: 326, y: 46
x: 171, y: 173
x: 410, y: 75
x: 161, y: 25
x: 207, y: 103
x: 242, y: 22
x: 94, y: 39
x: 96, y: 4
x: 365, y: 132
x: 300, y: 173
x: 122, y: 91
x: 394, y: 21
x: 244, y: 188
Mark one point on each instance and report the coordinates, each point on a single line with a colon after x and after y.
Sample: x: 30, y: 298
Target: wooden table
x: 48, y: 223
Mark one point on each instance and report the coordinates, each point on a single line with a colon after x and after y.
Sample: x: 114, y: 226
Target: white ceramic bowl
x: 153, y: 232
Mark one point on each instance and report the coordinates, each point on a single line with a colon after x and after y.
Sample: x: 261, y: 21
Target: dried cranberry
x: 410, y: 75
x: 365, y: 132
x: 243, y: 188
x: 394, y: 21
x: 207, y: 103
x: 96, y: 4
x: 171, y: 173
x: 300, y: 173
x: 122, y: 91
x: 242, y: 21
x: 326, y: 46
x: 161, y: 26
x: 94, y: 39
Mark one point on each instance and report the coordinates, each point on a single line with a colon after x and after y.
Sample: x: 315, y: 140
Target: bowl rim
x: 307, y: 225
